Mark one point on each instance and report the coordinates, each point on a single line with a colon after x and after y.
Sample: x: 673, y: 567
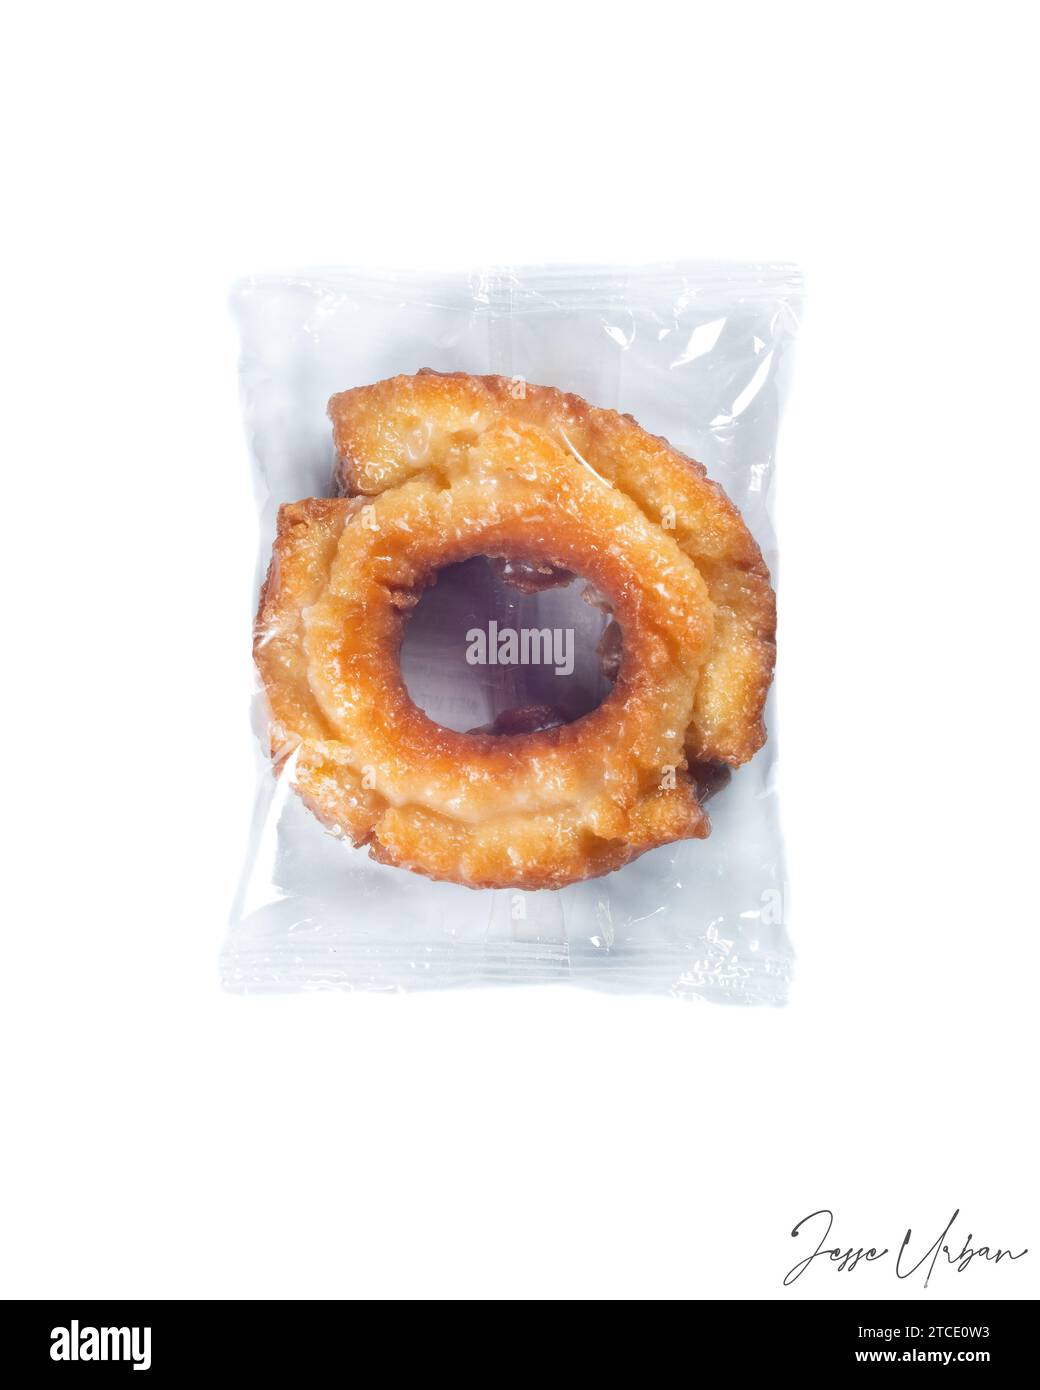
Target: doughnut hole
x: 461, y: 626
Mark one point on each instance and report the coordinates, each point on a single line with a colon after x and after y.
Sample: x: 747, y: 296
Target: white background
x: 164, y: 1138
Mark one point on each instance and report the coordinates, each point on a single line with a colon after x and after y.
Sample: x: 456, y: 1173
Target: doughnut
x: 435, y: 469
x: 426, y: 426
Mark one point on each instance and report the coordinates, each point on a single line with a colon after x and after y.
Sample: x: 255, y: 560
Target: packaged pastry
x: 516, y: 626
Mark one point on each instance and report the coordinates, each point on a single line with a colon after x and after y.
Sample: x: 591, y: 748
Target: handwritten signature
x: 847, y: 1258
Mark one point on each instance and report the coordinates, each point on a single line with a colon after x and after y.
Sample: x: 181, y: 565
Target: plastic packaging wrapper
x: 698, y: 354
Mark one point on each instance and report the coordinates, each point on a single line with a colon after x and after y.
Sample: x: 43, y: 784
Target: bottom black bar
x: 163, y: 1342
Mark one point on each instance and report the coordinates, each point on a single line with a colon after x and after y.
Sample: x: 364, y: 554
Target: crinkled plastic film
x: 697, y: 353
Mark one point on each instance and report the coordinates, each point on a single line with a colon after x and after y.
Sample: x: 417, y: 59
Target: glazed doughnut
x: 440, y: 483
x: 426, y: 426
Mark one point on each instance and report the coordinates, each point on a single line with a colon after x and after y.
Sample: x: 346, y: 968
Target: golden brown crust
x: 442, y: 467
x: 527, y: 810
x: 428, y: 424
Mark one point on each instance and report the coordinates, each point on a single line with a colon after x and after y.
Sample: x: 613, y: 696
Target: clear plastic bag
x: 698, y: 353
